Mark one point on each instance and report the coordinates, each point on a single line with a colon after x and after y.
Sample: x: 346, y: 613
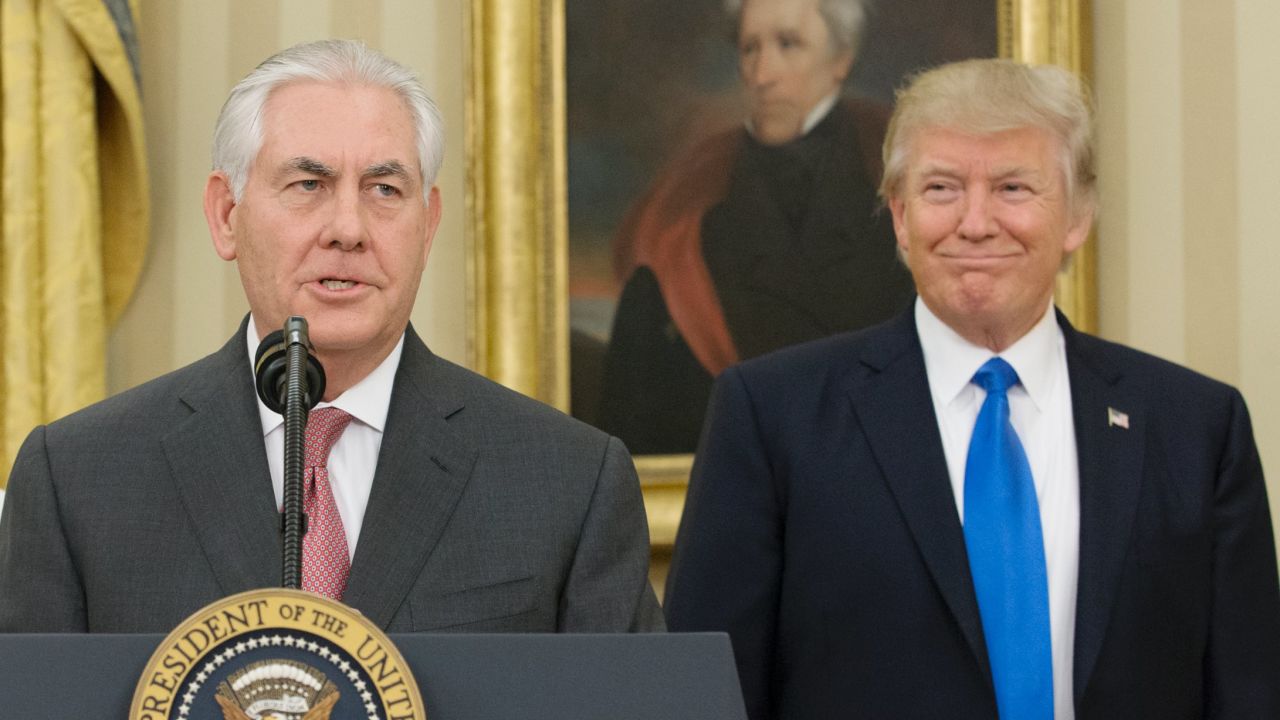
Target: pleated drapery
x: 74, y: 202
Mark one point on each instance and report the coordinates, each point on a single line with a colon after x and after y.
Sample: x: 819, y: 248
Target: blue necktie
x: 1006, y: 554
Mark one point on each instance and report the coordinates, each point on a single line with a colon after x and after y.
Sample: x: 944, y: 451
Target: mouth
x: 772, y: 107
x: 979, y: 260
x: 990, y: 265
x: 338, y: 287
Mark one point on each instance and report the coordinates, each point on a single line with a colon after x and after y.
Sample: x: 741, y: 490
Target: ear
x: 433, y: 220
x: 898, y: 209
x: 843, y: 64
x: 219, y: 204
x: 1078, y: 233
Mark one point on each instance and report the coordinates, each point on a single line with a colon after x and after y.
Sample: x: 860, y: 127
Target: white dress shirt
x: 1040, y: 410
x: 354, y: 457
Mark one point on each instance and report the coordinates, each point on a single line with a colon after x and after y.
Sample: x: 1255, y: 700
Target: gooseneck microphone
x: 271, y: 365
x: 290, y: 381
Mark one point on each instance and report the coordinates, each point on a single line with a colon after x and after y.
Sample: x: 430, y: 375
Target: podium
x: 462, y: 677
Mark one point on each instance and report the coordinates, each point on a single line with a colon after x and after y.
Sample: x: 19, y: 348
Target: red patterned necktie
x: 325, y: 563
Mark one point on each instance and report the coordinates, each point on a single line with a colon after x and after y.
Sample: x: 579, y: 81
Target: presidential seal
x: 276, y: 654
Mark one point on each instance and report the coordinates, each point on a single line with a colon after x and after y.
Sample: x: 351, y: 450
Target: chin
x: 774, y: 130
x: 777, y: 137
x: 341, y: 337
x: 986, y: 308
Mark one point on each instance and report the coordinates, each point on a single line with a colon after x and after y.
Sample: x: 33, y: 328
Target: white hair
x: 237, y: 137
x: 845, y: 20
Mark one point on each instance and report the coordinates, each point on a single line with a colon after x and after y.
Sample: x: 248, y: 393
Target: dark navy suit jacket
x: 821, y: 532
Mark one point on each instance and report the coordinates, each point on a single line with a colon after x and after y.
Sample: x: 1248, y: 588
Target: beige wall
x: 1189, y: 252
x: 1188, y: 107
x: 193, y: 51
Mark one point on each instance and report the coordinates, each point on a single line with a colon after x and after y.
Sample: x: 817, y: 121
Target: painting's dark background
x: 646, y: 79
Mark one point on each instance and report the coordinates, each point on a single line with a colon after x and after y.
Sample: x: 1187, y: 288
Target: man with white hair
x: 763, y: 236
x: 437, y: 500
x: 974, y: 510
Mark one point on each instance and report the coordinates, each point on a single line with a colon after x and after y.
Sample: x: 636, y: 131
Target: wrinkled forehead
x: 315, y: 119
x: 1027, y: 137
x: 993, y: 147
x: 320, y: 102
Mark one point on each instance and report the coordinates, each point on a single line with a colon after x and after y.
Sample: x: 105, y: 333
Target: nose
x: 759, y: 69
x: 345, y: 229
x: 977, y: 218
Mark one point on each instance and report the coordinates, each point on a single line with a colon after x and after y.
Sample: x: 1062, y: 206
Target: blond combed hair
x: 989, y: 96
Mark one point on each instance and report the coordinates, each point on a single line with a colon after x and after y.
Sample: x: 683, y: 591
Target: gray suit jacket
x: 489, y: 511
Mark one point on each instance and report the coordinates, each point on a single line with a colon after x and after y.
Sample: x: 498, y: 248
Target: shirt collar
x: 951, y: 361
x: 366, y: 401
x: 811, y: 120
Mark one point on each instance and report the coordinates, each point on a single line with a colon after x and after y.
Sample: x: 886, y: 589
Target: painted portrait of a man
x: 761, y: 227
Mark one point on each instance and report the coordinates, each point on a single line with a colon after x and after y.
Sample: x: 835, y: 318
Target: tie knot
x: 995, y: 376
x: 324, y: 427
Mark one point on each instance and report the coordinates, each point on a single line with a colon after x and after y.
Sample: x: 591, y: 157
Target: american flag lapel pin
x: 1115, y: 418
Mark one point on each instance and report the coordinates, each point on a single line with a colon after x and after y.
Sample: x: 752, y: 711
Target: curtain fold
x: 73, y: 193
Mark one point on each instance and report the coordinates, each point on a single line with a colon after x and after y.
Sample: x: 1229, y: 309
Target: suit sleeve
x: 727, y: 566
x: 40, y: 588
x: 608, y: 587
x: 1242, y: 666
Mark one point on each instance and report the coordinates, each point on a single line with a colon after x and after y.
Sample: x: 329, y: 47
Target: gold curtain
x: 73, y: 194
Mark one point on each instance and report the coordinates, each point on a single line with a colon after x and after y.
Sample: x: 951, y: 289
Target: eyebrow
x: 999, y: 173
x: 311, y: 166
x: 1016, y: 171
x: 934, y: 169
x: 387, y: 169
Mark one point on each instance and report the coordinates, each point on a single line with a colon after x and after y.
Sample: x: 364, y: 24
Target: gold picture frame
x: 518, y: 210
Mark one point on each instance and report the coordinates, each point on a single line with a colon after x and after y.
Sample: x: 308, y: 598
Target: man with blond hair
x: 974, y: 510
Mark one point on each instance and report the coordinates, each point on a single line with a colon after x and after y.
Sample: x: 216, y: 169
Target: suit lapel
x: 1110, y: 458
x: 423, y: 467
x: 890, y: 395
x: 219, y: 467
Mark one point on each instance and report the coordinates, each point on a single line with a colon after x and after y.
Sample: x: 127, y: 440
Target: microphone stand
x: 290, y: 381
x: 295, y: 436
